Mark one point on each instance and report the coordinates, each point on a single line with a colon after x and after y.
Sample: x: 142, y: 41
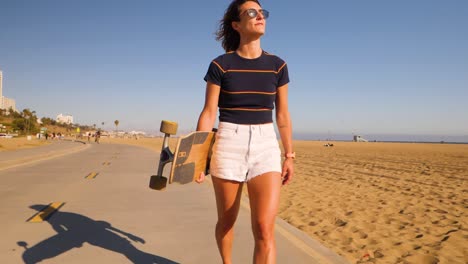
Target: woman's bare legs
x: 228, y: 194
x: 264, y: 192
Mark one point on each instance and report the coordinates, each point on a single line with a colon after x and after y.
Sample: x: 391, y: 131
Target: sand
x: 8, y: 144
x: 382, y: 202
x: 376, y: 202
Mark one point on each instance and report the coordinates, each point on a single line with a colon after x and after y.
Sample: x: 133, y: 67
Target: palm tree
x: 116, y: 122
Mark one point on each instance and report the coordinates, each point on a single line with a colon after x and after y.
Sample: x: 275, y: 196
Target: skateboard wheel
x: 158, y: 183
x: 168, y: 127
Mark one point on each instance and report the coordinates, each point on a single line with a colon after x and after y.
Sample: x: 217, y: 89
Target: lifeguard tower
x: 357, y: 138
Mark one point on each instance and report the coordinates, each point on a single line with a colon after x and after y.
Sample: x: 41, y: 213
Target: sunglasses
x: 253, y: 13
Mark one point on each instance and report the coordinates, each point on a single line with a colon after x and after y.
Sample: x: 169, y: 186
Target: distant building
x: 5, y: 102
x: 8, y: 103
x: 139, y: 133
x: 64, y: 119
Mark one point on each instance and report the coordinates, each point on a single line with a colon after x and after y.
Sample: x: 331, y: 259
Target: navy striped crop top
x: 248, y: 86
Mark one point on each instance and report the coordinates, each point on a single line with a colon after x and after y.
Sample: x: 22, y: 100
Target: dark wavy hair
x: 229, y: 37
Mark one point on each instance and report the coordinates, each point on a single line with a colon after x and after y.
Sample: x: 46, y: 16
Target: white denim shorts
x: 241, y: 152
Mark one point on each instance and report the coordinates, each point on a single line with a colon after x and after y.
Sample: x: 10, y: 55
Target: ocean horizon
x: 462, y: 139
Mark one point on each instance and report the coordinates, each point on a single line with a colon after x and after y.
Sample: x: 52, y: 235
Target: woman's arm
x: 283, y: 118
x: 207, y: 117
x: 283, y: 121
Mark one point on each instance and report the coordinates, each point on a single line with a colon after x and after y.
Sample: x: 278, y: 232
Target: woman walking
x: 247, y: 84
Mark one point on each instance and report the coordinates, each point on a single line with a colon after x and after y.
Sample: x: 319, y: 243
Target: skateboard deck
x: 191, y: 156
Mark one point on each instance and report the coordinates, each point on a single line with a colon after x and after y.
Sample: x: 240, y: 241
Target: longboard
x: 191, y: 157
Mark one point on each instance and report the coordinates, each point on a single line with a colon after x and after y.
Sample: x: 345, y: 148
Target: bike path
x: 115, y: 218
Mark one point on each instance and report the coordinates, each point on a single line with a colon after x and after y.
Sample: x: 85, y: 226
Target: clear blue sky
x: 364, y: 66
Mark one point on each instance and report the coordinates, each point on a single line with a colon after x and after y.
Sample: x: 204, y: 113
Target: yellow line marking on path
x: 92, y: 175
x: 45, y: 212
x: 106, y: 163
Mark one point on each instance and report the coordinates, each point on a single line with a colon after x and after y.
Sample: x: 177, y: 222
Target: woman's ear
x: 235, y: 25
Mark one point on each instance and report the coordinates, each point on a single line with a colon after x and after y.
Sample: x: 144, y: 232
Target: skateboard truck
x: 159, y: 182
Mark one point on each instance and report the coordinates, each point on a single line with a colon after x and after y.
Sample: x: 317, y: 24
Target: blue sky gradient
x: 365, y: 67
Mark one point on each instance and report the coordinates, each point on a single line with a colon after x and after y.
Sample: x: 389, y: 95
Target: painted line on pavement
x: 92, y: 175
x: 45, y: 212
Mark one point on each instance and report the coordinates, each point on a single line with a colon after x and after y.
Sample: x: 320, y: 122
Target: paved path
x: 116, y: 218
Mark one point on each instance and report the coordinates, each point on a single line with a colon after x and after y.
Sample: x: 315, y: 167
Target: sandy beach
x: 7, y: 144
x: 382, y: 202
x: 377, y: 202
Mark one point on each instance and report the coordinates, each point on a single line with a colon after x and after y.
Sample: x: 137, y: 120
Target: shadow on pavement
x: 74, y: 229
